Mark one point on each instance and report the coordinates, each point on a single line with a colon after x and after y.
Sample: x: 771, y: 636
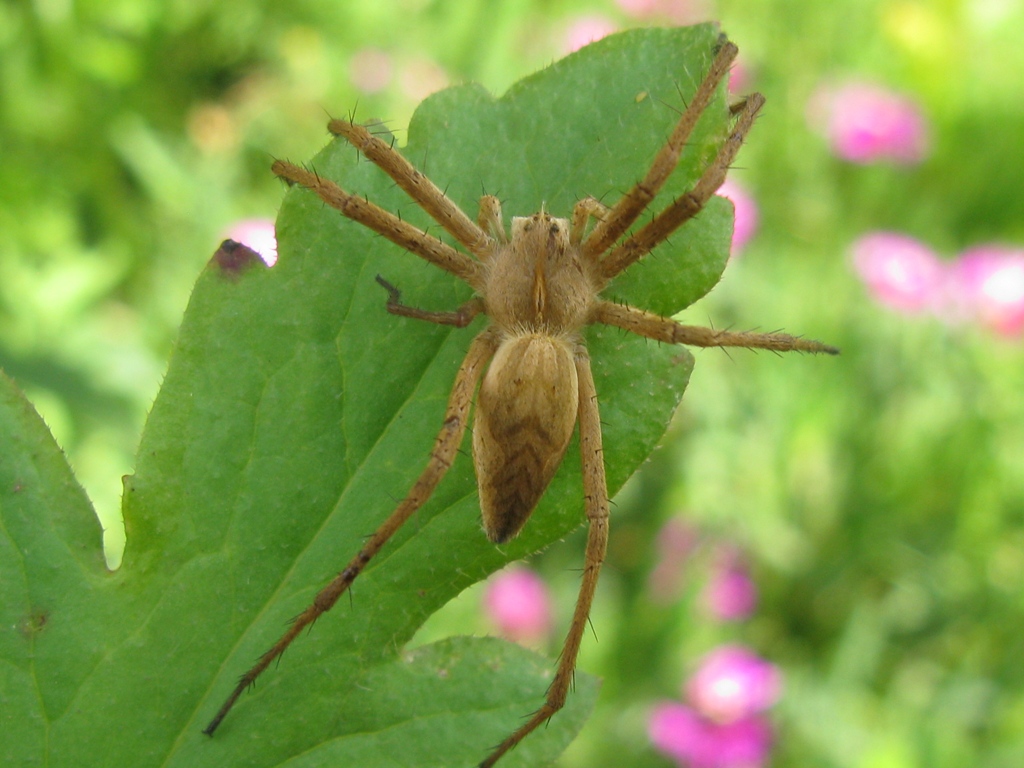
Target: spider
x: 539, y: 285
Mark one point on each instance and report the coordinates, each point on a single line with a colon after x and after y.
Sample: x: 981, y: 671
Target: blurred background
x: 824, y: 563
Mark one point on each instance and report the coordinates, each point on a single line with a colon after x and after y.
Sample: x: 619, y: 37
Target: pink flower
x: 739, y: 77
x: 696, y: 742
x: 733, y: 683
x: 421, y: 76
x: 987, y: 284
x: 676, y: 542
x: 900, y: 272
x: 586, y: 30
x: 677, y: 11
x: 730, y: 594
x: 746, y: 213
x: 866, y: 123
x: 639, y: 9
x: 370, y: 70
x: 259, y: 235
x: 518, y: 604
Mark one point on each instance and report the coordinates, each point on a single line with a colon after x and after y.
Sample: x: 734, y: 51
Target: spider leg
x: 460, y: 318
x: 690, y: 204
x: 632, y: 204
x: 586, y: 209
x: 667, y: 330
x: 384, y: 223
x: 595, y: 493
x: 421, y: 189
x: 445, y: 448
x: 489, y: 218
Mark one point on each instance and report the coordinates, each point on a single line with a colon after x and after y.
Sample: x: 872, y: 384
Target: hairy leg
x: 625, y: 211
x: 690, y: 204
x: 445, y: 448
x: 421, y: 189
x: 664, y: 329
x: 586, y: 209
x: 384, y: 223
x: 595, y: 492
x: 460, y: 318
x: 489, y: 219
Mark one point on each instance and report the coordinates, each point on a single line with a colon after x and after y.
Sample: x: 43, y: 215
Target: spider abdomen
x: 525, y: 414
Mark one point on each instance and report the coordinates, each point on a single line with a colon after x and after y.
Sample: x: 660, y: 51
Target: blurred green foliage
x: 880, y: 497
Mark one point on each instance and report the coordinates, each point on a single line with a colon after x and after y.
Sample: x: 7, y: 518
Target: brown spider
x: 539, y: 285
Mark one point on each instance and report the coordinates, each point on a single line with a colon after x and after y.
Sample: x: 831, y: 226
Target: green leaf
x: 53, y: 615
x: 295, y: 412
